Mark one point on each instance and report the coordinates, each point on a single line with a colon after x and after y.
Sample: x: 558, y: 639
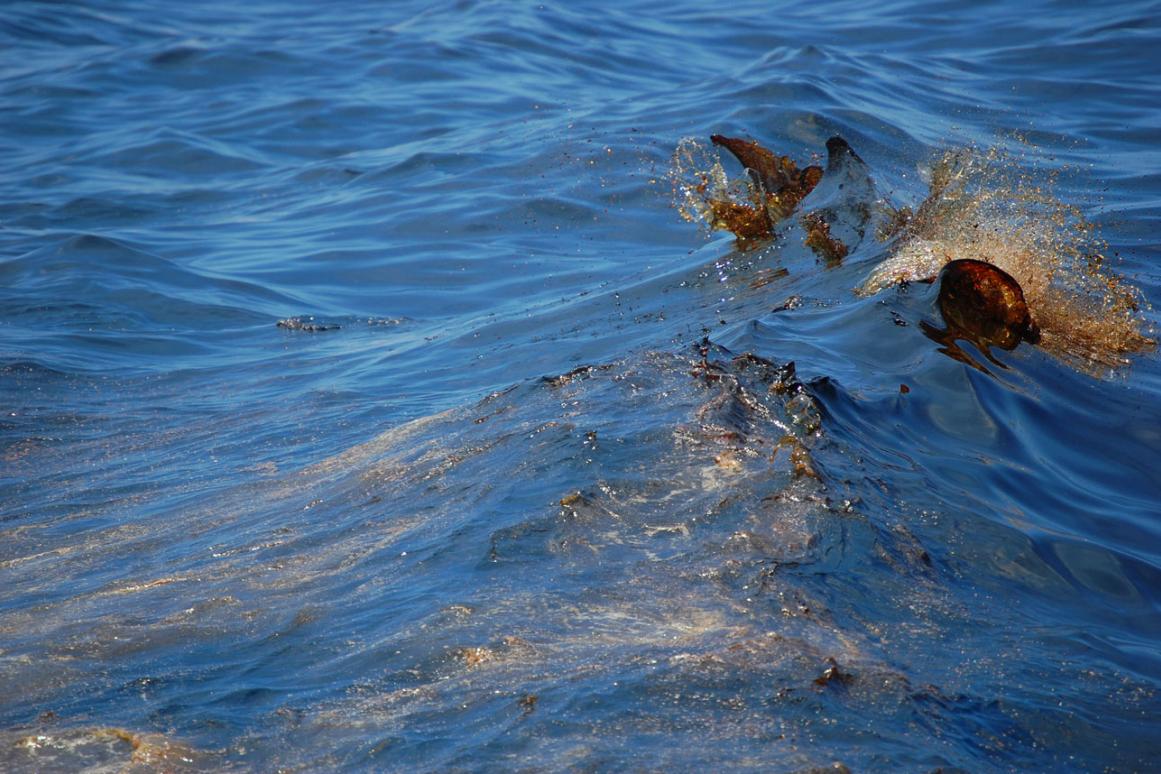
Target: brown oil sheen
x: 985, y: 303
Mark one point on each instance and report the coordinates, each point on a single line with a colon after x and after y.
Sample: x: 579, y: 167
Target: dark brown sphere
x: 986, y: 304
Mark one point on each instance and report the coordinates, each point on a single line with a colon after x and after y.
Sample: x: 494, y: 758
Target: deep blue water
x: 367, y: 403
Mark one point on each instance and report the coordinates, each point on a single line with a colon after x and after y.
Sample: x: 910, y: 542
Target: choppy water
x: 368, y: 404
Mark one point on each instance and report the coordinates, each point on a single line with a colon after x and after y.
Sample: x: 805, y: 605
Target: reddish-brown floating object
x: 985, y: 303
x: 819, y: 240
x: 775, y: 172
x: 783, y: 184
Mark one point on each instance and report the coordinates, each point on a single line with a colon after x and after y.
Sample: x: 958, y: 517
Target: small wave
x: 182, y: 154
x: 180, y: 54
x: 97, y: 301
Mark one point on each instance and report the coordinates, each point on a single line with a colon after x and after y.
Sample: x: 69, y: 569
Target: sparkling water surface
x: 369, y: 405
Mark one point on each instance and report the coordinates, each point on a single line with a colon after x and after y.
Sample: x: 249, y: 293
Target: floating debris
x: 766, y: 276
x: 773, y: 189
x: 833, y: 675
x: 307, y: 324
x: 781, y: 185
x: 528, y: 702
x: 819, y: 240
x: 983, y: 302
x: 750, y: 208
x: 979, y: 210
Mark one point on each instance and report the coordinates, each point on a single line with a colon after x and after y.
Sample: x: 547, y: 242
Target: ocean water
x: 375, y: 397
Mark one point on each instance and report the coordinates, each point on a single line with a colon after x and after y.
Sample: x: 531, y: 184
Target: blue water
x: 368, y: 405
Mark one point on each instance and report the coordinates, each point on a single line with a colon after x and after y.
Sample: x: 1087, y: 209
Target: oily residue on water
x: 703, y: 190
x: 979, y: 206
x: 101, y: 748
x: 359, y: 413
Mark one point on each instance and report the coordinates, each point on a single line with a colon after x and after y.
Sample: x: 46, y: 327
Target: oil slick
x: 979, y: 208
x: 983, y: 304
x: 777, y: 188
x: 1021, y: 266
x: 99, y: 748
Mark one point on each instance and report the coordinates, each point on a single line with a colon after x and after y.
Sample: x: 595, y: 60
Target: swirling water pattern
x: 367, y: 405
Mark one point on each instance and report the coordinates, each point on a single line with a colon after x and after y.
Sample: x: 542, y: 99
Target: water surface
x: 368, y: 403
